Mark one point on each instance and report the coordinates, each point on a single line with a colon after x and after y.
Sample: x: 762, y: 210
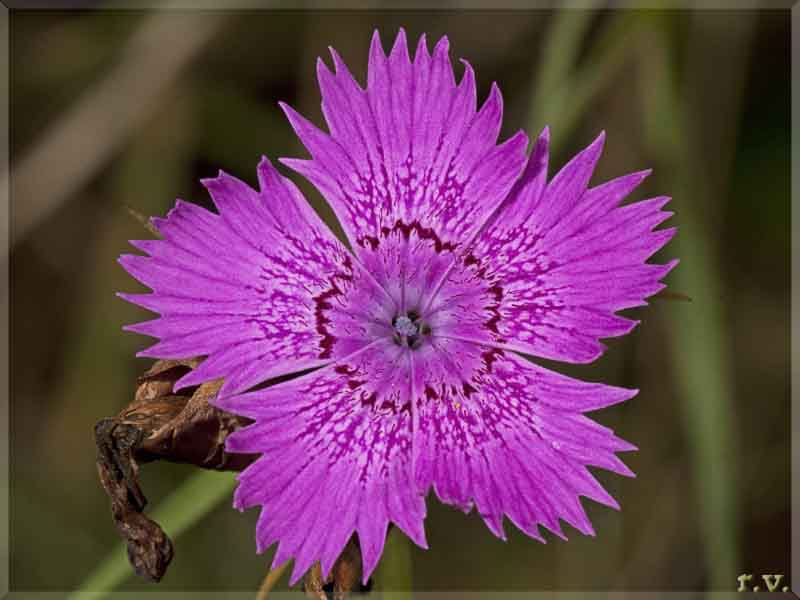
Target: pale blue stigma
x: 405, y: 327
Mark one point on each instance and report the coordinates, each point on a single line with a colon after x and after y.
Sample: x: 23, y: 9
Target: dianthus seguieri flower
x: 462, y: 256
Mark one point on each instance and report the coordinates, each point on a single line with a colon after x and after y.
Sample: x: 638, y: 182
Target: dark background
x: 702, y: 97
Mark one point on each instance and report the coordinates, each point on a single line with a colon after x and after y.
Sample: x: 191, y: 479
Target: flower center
x: 405, y: 326
x: 409, y: 330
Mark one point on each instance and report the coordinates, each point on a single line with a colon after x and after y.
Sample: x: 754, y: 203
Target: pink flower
x: 463, y: 255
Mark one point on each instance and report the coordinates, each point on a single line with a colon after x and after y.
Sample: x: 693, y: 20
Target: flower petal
x: 245, y: 287
x: 337, y: 447
x: 510, y: 438
x: 564, y: 258
x: 410, y: 148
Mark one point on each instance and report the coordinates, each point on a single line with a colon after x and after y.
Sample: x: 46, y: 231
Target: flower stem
x: 395, y: 574
x: 270, y: 581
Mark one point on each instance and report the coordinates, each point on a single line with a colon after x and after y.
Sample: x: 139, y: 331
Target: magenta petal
x: 243, y: 287
x: 509, y: 438
x: 409, y: 148
x: 347, y: 468
x: 564, y: 258
x: 568, y: 185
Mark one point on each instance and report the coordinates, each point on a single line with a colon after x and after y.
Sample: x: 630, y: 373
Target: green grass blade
x: 563, y: 91
x: 699, y: 342
x: 559, y: 53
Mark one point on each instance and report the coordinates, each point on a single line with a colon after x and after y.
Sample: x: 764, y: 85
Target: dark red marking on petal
x: 322, y: 304
x: 496, y: 290
x: 491, y: 324
x: 423, y: 233
x: 489, y: 357
x: 369, y: 401
x: 345, y: 370
x: 373, y: 241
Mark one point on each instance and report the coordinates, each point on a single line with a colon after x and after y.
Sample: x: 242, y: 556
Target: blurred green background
x: 116, y: 108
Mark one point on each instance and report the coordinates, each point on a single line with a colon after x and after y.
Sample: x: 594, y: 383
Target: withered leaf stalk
x: 180, y: 427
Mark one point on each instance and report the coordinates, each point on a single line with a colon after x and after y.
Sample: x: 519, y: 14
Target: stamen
x: 405, y: 327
